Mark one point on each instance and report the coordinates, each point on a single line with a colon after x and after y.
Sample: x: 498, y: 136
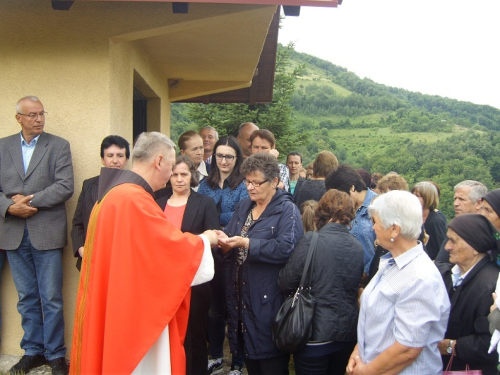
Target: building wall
x: 84, y: 63
x: 86, y: 86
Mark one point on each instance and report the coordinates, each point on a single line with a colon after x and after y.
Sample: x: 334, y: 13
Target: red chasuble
x: 135, y: 280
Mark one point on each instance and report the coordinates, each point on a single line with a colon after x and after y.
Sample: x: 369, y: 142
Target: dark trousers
x: 332, y: 364
x: 195, y: 343
x: 270, y: 366
x: 217, y: 314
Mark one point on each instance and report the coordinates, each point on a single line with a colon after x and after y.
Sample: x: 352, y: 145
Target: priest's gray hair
x: 149, y: 144
x: 400, y: 208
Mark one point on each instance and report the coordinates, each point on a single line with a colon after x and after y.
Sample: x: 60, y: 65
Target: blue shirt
x: 406, y: 302
x: 27, y: 150
x: 225, y: 199
x: 362, y: 229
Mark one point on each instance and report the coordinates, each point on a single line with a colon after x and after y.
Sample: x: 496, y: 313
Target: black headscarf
x: 493, y: 198
x: 478, y: 232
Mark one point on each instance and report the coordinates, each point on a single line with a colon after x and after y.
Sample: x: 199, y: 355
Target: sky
x: 442, y: 47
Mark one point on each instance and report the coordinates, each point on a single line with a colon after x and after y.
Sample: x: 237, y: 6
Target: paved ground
x: 7, y: 361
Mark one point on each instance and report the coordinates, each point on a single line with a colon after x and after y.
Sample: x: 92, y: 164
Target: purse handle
x: 310, y: 253
x: 450, y: 362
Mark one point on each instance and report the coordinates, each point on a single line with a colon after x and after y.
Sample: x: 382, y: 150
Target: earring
x: 392, y: 239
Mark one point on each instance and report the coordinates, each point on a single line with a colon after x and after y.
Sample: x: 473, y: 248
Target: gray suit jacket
x: 49, y: 177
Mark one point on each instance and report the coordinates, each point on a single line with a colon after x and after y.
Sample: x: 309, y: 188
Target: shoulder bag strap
x: 310, y: 254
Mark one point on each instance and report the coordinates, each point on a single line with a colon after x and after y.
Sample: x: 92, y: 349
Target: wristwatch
x: 449, y: 349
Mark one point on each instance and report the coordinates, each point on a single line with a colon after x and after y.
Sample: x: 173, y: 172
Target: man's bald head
x: 244, y: 132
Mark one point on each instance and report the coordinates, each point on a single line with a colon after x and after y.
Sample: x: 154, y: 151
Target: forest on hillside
x: 320, y: 106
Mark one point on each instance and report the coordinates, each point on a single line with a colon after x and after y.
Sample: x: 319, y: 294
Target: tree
x: 275, y: 116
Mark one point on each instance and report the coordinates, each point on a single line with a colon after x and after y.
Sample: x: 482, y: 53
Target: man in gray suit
x: 36, y: 179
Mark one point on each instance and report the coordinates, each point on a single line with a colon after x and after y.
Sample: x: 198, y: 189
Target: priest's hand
x: 222, y: 244
x: 211, y: 236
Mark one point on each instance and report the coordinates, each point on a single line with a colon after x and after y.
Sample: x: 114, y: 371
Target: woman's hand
x: 444, y: 344
x: 494, y: 306
x: 222, y: 241
x: 236, y: 241
x: 351, y: 364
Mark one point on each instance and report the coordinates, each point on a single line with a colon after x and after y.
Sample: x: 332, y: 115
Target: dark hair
x: 294, y: 153
x: 307, y: 209
x: 186, y: 136
x: 116, y: 140
x: 235, y: 178
x: 334, y: 206
x: 264, y: 134
x: 375, y: 179
x: 324, y: 163
x: 262, y: 162
x: 366, y: 176
x: 343, y: 178
x: 179, y: 159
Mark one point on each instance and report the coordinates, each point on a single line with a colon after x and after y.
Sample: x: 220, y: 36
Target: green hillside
x: 368, y: 125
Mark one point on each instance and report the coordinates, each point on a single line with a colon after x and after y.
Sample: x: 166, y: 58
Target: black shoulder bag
x: 292, y: 326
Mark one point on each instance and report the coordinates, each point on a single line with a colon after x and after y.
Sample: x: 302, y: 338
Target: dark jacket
x: 309, y: 189
x: 272, y: 239
x: 86, y: 202
x: 337, y: 268
x: 200, y: 215
x: 468, y: 322
x: 435, y: 226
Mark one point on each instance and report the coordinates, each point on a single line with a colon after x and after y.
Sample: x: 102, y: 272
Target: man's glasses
x: 255, y: 183
x: 227, y: 157
x: 34, y: 115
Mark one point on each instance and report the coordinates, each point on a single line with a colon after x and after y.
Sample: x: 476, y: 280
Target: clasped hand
x: 21, y: 208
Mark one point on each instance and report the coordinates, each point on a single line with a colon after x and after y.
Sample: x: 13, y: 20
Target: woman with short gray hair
x: 405, y: 307
x: 259, y: 239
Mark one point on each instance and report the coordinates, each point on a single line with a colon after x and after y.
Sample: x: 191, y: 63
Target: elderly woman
x: 259, y: 239
x: 337, y: 269
x: 434, y: 220
x: 470, y: 281
x: 404, y: 308
x: 194, y: 213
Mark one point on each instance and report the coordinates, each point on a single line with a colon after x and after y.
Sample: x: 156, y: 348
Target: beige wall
x: 83, y: 65
x: 86, y: 88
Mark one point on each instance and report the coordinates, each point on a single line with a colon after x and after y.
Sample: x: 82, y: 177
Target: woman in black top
x: 337, y: 268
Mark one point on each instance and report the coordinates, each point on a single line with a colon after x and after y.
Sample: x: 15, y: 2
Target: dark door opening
x: 140, y: 115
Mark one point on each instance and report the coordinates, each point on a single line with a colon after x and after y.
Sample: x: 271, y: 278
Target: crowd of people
x: 190, y: 246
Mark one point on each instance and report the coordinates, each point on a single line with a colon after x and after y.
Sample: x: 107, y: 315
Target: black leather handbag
x: 292, y: 327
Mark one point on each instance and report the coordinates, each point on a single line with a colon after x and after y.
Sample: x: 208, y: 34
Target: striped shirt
x: 407, y: 302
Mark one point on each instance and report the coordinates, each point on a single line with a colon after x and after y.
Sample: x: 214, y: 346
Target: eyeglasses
x: 34, y: 115
x: 227, y: 157
x: 255, y: 183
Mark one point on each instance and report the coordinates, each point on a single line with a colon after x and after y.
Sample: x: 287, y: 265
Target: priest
x: 133, y: 297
